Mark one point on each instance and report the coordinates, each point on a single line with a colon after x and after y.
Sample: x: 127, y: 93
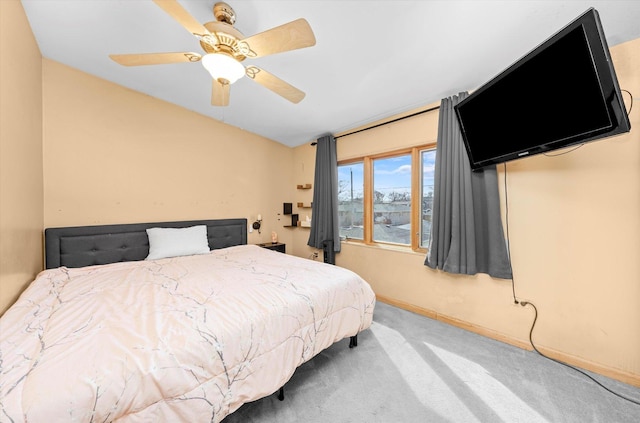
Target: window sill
x: 388, y: 247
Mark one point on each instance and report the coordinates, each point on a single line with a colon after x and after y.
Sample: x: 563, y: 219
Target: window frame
x: 416, y: 190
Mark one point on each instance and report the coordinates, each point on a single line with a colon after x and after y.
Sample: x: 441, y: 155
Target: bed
x: 104, y: 334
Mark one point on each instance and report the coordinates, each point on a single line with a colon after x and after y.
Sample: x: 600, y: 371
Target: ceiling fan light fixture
x: 225, y: 48
x: 223, y: 68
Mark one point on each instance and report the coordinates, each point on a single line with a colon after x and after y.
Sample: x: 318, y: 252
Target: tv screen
x: 562, y: 93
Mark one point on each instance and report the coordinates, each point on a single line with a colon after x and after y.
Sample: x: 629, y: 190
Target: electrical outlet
x: 315, y: 255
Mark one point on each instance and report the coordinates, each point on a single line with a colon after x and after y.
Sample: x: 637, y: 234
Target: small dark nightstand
x: 278, y: 246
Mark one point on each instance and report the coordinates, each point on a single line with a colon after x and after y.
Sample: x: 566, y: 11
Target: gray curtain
x: 324, y: 220
x: 466, y: 231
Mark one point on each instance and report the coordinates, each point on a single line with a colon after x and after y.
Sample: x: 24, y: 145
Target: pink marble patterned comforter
x: 187, y: 339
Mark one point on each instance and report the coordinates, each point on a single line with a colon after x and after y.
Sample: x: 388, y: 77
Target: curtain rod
x: 391, y: 121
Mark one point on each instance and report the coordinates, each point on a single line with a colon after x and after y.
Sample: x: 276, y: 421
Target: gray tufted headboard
x: 81, y: 246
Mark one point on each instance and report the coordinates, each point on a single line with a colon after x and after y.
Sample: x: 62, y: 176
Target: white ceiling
x: 372, y: 59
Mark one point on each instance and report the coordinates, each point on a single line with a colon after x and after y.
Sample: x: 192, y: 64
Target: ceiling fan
x: 225, y: 48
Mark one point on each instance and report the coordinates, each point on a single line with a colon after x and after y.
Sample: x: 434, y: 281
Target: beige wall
x: 112, y: 155
x: 575, y: 231
x: 21, y: 192
x: 575, y: 236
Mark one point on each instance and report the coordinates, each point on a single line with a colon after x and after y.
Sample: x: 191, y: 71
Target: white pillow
x: 174, y: 242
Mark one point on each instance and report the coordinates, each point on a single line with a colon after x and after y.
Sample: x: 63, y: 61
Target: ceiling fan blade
x: 290, y: 36
x: 154, y: 58
x: 219, y: 94
x: 275, y: 84
x: 177, y: 12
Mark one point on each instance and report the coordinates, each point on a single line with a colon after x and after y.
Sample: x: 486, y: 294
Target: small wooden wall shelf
x: 294, y: 222
x: 304, y: 206
x: 304, y: 186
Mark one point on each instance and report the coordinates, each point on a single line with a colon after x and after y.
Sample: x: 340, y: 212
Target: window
x: 376, y: 193
x: 392, y: 199
x: 427, y: 169
x: 351, y: 200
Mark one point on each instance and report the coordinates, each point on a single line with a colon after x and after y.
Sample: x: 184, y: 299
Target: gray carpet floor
x: 409, y: 368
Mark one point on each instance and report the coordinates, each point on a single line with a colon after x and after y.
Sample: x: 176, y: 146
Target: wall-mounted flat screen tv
x: 564, y: 92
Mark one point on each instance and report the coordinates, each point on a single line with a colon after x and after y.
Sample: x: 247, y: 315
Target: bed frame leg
x: 353, y: 342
